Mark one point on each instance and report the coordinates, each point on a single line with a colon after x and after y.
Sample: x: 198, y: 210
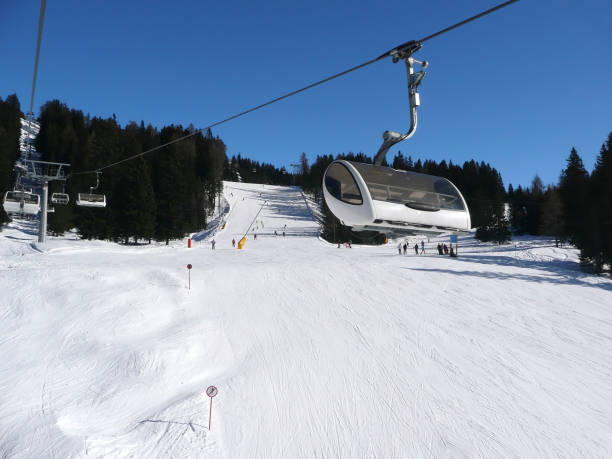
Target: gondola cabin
x: 91, y: 200
x: 21, y: 202
x: 394, y: 202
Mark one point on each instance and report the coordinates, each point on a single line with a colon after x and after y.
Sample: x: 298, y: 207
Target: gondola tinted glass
x: 341, y: 184
x: 417, y: 191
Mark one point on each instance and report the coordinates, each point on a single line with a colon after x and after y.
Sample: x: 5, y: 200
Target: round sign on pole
x: 189, y: 266
x: 211, y: 391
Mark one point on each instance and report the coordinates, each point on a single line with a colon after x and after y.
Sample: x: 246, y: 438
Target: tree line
x: 578, y: 209
x: 10, y: 131
x: 171, y: 192
x: 162, y: 195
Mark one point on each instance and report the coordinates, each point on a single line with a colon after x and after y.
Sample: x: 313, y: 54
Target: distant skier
x: 416, y: 248
x: 283, y: 234
x: 445, y: 249
x: 399, y: 248
x: 275, y: 233
x: 213, y: 243
x: 233, y: 242
x: 440, y: 250
x: 255, y: 236
x: 422, y: 246
x: 405, y: 247
x: 452, y: 252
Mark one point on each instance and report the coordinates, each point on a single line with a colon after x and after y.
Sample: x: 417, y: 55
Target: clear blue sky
x: 516, y: 89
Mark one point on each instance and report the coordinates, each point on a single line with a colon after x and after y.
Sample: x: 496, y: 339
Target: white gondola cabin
x: 60, y: 198
x: 368, y: 197
x: 91, y: 200
x: 21, y: 202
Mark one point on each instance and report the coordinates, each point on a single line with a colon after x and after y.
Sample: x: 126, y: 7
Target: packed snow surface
x: 317, y: 351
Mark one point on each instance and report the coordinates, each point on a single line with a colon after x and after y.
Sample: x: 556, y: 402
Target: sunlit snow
x: 317, y: 351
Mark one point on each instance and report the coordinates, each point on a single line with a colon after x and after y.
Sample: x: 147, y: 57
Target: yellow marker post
x: 241, y: 243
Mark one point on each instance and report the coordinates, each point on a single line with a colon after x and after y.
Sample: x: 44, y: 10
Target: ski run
x: 317, y: 351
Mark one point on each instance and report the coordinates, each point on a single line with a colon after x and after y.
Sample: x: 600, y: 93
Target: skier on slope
x: 399, y: 248
x: 233, y: 242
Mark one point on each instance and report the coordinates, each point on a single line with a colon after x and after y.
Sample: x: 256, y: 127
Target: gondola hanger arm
x: 390, y: 138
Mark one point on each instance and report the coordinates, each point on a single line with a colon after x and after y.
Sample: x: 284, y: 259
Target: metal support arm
x: 390, y: 138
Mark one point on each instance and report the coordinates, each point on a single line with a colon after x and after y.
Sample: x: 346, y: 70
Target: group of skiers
x: 403, y: 247
x: 443, y: 249
x: 259, y: 224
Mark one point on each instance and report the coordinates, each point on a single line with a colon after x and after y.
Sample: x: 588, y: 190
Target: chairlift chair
x: 21, y: 202
x: 60, y: 198
x: 370, y: 197
x: 90, y: 199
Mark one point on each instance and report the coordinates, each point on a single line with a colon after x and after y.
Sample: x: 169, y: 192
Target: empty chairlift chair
x: 60, y: 198
x: 21, y: 202
x: 90, y: 199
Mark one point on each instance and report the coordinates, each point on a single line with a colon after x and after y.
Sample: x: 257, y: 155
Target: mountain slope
x: 316, y: 350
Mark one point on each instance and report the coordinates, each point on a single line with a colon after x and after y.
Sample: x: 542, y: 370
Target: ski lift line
x: 40, y: 29
x: 278, y: 99
x: 459, y: 24
x: 253, y: 221
x: 408, y: 47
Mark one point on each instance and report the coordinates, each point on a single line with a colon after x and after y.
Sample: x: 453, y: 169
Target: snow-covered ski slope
x: 317, y: 351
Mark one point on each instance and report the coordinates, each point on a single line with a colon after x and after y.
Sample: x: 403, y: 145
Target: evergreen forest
x: 173, y: 191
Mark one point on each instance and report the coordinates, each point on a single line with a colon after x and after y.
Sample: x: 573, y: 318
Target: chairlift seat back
x: 60, y: 198
x: 91, y: 200
x: 17, y: 202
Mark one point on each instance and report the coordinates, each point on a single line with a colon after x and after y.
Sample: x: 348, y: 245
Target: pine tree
x: 10, y: 131
x: 170, y: 189
x: 496, y: 229
x: 136, y: 211
x: 552, y: 221
x: 596, y: 244
x: 573, y: 187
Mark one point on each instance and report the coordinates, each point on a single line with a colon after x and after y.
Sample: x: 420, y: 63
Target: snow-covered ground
x: 317, y: 351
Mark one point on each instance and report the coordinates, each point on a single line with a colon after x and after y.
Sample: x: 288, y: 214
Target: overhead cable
x: 412, y: 45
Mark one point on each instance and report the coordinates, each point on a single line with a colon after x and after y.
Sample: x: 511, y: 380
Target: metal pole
x: 210, y: 413
x: 42, y: 230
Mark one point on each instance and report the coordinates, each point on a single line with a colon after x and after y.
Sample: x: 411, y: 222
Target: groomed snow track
x: 317, y: 351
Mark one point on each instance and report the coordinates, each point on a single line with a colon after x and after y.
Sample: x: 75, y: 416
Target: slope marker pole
x: 211, y: 391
